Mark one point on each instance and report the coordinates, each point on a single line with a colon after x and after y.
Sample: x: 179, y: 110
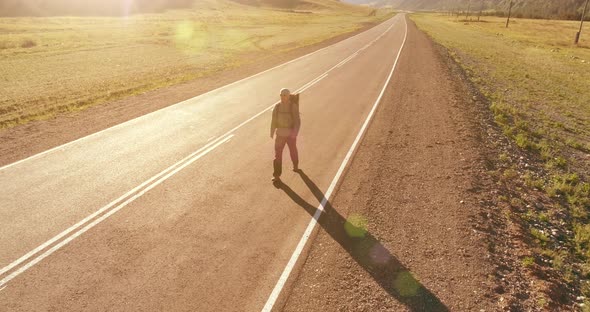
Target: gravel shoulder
x: 403, y: 231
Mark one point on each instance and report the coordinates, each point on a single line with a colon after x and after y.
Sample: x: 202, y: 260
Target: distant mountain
x: 88, y: 7
x: 10, y: 8
x: 562, y: 9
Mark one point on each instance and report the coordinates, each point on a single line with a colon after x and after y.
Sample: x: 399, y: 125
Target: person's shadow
x: 368, y: 252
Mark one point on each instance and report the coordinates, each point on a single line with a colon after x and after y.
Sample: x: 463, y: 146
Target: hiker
x: 285, y: 124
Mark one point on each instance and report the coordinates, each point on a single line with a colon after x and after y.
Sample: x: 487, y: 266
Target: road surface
x: 174, y: 210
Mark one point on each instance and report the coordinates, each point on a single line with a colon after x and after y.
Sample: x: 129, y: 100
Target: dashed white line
x: 307, y: 86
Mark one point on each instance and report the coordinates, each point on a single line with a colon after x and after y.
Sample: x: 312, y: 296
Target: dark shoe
x: 277, y: 168
x: 276, y: 182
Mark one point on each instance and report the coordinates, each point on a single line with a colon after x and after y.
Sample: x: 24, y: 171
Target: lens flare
x: 127, y: 4
x: 406, y: 285
x: 190, y: 37
x: 356, y: 226
x: 379, y: 254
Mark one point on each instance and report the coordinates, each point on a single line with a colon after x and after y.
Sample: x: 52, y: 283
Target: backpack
x: 285, y: 118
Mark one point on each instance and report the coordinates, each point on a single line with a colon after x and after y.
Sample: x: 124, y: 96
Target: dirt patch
x: 432, y: 235
x: 34, y: 137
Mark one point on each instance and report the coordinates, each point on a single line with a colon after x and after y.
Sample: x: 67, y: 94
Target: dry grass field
x: 59, y: 64
x: 537, y: 84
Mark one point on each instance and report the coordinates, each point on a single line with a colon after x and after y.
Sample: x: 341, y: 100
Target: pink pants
x: 280, y: 142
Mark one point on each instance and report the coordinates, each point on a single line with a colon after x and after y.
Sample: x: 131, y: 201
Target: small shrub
x: 540, y: 236
x: 558, y: 263
x: 545, y: 150
x: 516, y: 203
x: 579, y: 212
x: 543, y: 217
x: 582, y: 238
x: 522, y: 125
x: 580, y: 195
x: 501, y: 119
x: 557, y: 162
x: 523, y: 141
x: 504, y: 157
x: 28, y: 43
x: 4, y: 45
x: 510, y: 174
x: 563, y: 185
x: 542, y: 302
x: 530, y: 181
x: 574, y: 144
x: 528, y: 261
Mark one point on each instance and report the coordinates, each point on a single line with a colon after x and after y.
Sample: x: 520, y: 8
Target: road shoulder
x: 403, y: 232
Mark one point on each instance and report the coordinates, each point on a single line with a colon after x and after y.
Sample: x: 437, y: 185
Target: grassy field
x: 60, y: 64
x: 538, y: 84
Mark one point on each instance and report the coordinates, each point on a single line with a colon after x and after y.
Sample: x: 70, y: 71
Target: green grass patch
x: 535, y: 77
x: 528, y: 261
x: 540, y: 236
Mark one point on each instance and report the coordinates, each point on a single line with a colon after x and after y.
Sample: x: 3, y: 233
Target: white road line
x: 108, y: 214
x: 214, y: 90
x: 287, y: 271
x: 147, y: 182
x: 347, y: 59
x: 102, y: 210
x: 307, y: 86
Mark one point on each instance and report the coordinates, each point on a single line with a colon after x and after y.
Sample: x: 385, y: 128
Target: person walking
x: 285, y: 124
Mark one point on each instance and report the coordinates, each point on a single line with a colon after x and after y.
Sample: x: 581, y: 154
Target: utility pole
x: 468, y: 9
x: 581, y: 22
x: 480, y: 9
x: 510, y: 11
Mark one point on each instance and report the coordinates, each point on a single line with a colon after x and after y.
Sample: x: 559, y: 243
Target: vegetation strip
x: 535, y: 80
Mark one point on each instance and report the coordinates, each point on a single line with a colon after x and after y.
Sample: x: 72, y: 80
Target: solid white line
x: 106, y: 215
x: 101, y: 210
x: 136, y: 189
x: 214, y: 90
x: 287, y: 271
x: 347, y: 59
x: 314, y: 82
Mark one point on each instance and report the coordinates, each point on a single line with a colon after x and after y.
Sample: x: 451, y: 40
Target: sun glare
x: 127, y: 7
x: 190, y: 37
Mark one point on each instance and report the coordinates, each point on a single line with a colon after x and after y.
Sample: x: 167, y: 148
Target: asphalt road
x: 175, y: 210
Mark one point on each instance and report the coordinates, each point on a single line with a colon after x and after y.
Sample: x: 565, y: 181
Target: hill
x: 87, y: 8
x: 16, y: 8
x: 563, y: 9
